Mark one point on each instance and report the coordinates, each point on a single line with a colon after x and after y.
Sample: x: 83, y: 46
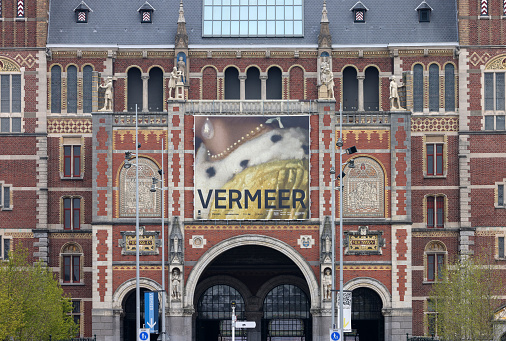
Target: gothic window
x: 232, y: 84
x: 149, y: 202
x: 225, y: 18
x: 418, y: 88
x: 253, y: 85
x: 155, y: 90
x: 449, y: 87
x: 134, y: 84
x: 274, y: 83
x: 10, y: 96
x: 56, y: 89
x: 87, y: 88
x: 433, y: 87
x: 364, y: 190
x: 435, y: 261
x: 71, y: 264
x: 371, y: 89
x: 72, y: 89
x: 350, y: 89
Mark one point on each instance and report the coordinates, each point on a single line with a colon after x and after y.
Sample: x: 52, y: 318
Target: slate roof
x: 117, y: 22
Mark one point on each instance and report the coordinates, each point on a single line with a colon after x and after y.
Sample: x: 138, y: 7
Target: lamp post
x: 153, y: 189
x: 127, y: 165
x: 351, y: 164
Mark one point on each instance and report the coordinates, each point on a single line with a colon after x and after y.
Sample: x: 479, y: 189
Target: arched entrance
x: 271, y: 285
x: 129, y: 330
x: 366, y: 316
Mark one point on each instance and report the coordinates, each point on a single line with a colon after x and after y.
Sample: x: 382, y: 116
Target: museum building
x: 238, y: 105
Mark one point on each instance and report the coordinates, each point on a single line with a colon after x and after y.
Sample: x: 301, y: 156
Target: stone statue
x: 394, y: 94
x: 326, y: 79
x: 174, y: 77
x: 176, y: 282
x: 327, y: 284
x: 181, y: 67
x: 107, y: 95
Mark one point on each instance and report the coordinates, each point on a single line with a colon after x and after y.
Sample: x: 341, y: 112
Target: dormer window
x: 82, y: 12
x: 424, y: 12
x: 146, y: 12
x: 359, y: 12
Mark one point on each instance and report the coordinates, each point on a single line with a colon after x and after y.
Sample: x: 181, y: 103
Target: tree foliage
x: 32, y: 303
x: 465, y: 300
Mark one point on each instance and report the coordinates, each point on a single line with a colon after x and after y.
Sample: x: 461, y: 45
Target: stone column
x: 263, y: 80
x: 145, y: 78
x: 242, y: 80
x: 360, y: 92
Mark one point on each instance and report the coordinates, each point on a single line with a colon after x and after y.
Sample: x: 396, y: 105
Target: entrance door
x: 366, y: 316
x: 129, y: 330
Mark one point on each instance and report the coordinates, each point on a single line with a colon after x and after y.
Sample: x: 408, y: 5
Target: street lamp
x: 127, y: 165
x: 351, y: 164
x: 153, y: 189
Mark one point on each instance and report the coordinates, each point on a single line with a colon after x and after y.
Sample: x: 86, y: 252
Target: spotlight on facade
x: 127, y: 164
x: 351, y: 150
x: 153, y: 186
x: 351, y: 163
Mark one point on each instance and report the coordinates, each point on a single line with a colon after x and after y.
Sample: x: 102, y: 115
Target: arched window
x: 56, y: 89
x: 274, y: 84
x: 134, y: 89
x: 87, y: 88
x: 435, y: 211
x: 350, y: 89
x: 72, y: 89
x: 449, y: 87
x: 232, y: 84
x: 371, y: 89
x: 434, y: 261
x: 418, y: 88
x: 253, y: 85
x: 433, y: 87
x: 71, y: 263
x: 155, y: 90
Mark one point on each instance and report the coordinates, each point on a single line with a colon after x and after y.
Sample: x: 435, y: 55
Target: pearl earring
x: 207, y: 130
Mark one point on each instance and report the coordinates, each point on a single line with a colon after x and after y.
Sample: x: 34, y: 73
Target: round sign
x: 143, y: 335
x: 335, y: 336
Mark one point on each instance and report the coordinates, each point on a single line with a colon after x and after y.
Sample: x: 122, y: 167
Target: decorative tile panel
x: 69, y: 126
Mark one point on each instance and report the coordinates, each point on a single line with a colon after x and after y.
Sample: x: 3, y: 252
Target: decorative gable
x: 424, y: 11
x: 359, y: 12
x: 146, y: 12
x: 82, y: 12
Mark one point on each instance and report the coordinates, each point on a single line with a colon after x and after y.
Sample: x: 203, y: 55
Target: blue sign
x: 334, y: 336
x: 143, y: 335
x: 151, y: 311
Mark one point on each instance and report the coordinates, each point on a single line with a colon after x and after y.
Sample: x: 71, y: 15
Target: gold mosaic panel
x: 432, y: 124
x: 69, y: 126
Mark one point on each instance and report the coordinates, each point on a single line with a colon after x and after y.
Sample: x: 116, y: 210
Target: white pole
x: 233, y: 322
x: 163, y: 249
x: 137, y: 274
x: 341, y: 313
x: 333, y: 226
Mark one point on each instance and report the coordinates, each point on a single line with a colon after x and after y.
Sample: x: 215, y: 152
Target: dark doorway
x: 253, y: 87
x: 134, y: 89
x: 366, y: 316
x: 155, y: 90
x: 232, y: 84
x: 273, y: 84
x: 371, y: 89
x: 350, y: 89
x: 129, y: 330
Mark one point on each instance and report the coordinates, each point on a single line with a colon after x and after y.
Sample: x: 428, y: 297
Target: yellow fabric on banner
x: 276, y: 175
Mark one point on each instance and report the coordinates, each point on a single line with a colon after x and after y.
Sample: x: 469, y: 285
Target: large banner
x: 251, y: 167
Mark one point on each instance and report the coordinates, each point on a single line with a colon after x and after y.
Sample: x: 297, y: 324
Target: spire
x: 181, y: 35
x: 324, y: 38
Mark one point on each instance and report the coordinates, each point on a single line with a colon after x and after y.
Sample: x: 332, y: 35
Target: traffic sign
x: 334, y: 335
x: 245, y: 324
x: 151, y: 311
x: 143, y: 334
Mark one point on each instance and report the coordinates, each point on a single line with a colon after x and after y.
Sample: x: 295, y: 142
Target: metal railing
x: 420, y: 338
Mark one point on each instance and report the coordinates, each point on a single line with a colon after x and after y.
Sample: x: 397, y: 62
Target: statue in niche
x: 326, y: 79
x: 176, y: 282
x: 107, y: 95
x: 175, y: 76
x: 181, y: 67
x: 395, y: 102
x: 327, y: 284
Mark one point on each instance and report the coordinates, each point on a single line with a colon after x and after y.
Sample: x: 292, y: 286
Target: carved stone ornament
x: 326, y: 242
x: 305, y: 242
x: 363, y: 242
x: 149, y: 242
x: 176, y: 243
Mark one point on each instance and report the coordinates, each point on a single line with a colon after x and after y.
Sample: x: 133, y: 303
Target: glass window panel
x: 226, y: 2
x: 87, y: 89
x: 430, y: 159
x: 208, y: 2
x: 297, y: 27
x: 252, y: 2
x: 7, y: 197
x: 244, y: 27
x: 297, y: 2
x: 280, y: 27
x: 217, y: 13
x: 5, y: 123
x: 271, y: 27
x: 449, y: 87
x: 225, y: 15
x: 280, y: 13
x: 418, y: 88
x: 262, y: 26
x: 234, y: 27
x: 225, y: 28
x: 262, y: 13
x: 253, y: 13
x: 6, y: 93
x: 234, y: 12
x: 289, y: 27
x: 499, y: 122
x: 208, y: 26
x: 500, y: 241
x: 271, y: 2
x: 253, y: 28
x: 216, y: 2
x: 235, y: 2
x: 499, y: 91
x: 16, y: 93
x: 7, y: 248
x: 262, y: 2
x: 288, y: 13
x: 75, y: 277
x: 66, y: 268
x: 433, y: 87
x: 297, y: 13
x: 271, y: 13
x: 489, y: 122
x: 280, y: 2
x: 489, y: 91
x: 216, y: 27
x: 430, y: 267
x: 16, y: 124
x: 500, y: 195
x: 208, y: 13
x: 244, y: 13
x: 244, y: 2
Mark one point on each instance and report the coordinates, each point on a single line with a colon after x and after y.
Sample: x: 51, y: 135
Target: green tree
x: 463, y: 302
x: 32, y: 303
